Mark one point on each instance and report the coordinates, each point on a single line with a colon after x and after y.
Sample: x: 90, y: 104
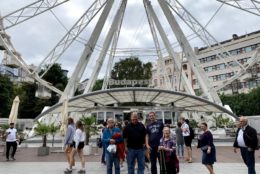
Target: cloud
x: 35, y: 38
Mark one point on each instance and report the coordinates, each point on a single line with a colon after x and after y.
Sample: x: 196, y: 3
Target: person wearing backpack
x: 187, y: 139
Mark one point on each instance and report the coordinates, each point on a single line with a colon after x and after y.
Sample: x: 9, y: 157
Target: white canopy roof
x: 180, y: 101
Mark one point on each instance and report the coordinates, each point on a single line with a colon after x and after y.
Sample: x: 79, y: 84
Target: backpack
x: 192, y: 134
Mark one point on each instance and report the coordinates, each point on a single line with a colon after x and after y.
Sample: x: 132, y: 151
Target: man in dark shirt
x: 153, y: 136
x: 134, y: 135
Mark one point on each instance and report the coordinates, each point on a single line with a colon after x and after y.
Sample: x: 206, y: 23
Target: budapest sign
x: 129, y: 82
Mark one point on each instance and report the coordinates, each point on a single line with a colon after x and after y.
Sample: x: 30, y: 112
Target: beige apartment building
x: 241, y: 48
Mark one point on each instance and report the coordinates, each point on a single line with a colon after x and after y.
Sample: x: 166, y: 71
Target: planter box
x: 87, y: 150
x: 43, y: 151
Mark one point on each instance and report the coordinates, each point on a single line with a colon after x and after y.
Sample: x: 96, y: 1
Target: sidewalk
x: 27, y: 162
x: 97, y: 168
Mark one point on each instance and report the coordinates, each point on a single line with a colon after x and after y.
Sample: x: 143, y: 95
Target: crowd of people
x: 137, y: 144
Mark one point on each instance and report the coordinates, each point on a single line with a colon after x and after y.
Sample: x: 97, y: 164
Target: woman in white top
x: 187, y: 139
x: 79, y: 139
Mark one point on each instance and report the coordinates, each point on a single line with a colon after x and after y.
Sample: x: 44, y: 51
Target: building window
x: 184, y: 67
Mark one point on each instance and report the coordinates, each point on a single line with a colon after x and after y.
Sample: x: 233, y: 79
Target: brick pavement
x: 224, y: 155
x: 29, y: 163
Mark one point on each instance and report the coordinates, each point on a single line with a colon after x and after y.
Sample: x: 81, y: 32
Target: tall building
x: 241, y: 48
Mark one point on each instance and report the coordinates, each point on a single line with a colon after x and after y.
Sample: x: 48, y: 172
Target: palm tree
x: 89, y: 125
x: 53, y: 130
x: 43, y: 130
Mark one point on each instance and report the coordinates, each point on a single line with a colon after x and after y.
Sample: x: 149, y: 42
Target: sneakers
x: 13, y: 158
x: 67, y: 170
x: 81, y: 171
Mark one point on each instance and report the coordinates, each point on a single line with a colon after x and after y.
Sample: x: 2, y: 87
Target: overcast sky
x: 35, y: 38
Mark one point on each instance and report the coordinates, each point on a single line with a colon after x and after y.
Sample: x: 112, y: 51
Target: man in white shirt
x: 246, y: 140
x: 11, y: 141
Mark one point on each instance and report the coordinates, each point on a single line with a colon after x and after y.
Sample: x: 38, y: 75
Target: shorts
x: 187, y: 141
x: 73, y: 144
x: 81, y: 145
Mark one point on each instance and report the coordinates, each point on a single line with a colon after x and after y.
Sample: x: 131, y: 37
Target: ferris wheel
x: 98, y: 14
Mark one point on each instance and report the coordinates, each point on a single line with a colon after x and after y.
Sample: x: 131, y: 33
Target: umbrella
x: 14, y: 111
x: 64, y: 116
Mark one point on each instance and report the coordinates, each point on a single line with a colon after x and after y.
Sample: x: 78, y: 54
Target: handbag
x: 99, y: 143
x: 204, y: 148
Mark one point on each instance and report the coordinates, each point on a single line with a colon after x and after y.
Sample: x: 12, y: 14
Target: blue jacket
x: 69, y: 134
x: 107, y: 135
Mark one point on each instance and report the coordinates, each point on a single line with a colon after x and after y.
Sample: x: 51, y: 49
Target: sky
x: 35, y: 38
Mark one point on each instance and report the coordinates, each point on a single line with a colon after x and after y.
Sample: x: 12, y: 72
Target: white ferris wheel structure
x: 105, y: 15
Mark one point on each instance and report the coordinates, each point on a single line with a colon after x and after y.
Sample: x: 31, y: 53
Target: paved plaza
x: 27, y: 162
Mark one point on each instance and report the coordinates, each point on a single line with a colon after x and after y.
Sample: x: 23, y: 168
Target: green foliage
x: 222, y: 122
x: 244, y: 104
x: 53, y: 131
x: 90, y: 127
x: 6, y: 96
x: 131, y: 69
x: 4, y: 126
x: 193, y: 123
x: 30, y: 106
x: 98, y: 85
x: 43, y: 130
x: 56, y: 77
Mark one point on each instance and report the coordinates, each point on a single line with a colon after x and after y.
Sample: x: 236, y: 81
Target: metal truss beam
x: 167, y: 44
x: 114, y: 27
x: 71, y: 35
x: 206, y: 87
x: 89, y: 48
x: 250, y: 6
x: 30, y: 11
x: 252, y: 61
x: 202, y: 33
x: 161, y: 68
x: 208, y: 39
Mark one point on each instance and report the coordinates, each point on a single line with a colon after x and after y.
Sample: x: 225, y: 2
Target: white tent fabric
x: 64, y: 117
x: 116, y: 96
x: 14, y: 111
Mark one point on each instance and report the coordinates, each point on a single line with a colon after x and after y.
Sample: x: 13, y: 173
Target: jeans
x: 180, y: 150
x: 8, y: 146
x: 103, y: 154
x: 249, y: 159
x: 153, y: 157
x: 112, y: 158
x: 131, y: 156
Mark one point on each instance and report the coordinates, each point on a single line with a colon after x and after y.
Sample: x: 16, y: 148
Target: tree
x: 244, y: 104
x: 43, y: 130
x: 89, y: 126
x: 56, y: 77
x: 132, y: 69
x: 30, y: 106
x: 53, y: 131
x: 98, y: 85
x: 6, y: 96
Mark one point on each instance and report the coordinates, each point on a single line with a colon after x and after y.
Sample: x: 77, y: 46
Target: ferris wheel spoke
x: 30, y: 11
x: 71, y: 35
x: 250, y: 6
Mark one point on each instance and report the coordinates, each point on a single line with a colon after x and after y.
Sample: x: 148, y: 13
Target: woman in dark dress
x: 207, y: 147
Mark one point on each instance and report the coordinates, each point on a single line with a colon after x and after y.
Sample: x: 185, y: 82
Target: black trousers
x: 8, y: 147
